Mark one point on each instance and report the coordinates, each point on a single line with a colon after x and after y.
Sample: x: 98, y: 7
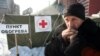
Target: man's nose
x: 70, y: 24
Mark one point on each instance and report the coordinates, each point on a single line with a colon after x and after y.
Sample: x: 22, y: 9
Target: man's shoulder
x: 60, y: 27
x: 58, y: 30
x: 90, y: 22
x: 92, y: 25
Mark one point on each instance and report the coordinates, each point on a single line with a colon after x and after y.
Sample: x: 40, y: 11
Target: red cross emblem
x: 43, y: 23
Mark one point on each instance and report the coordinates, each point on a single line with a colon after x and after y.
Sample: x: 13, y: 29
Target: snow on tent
x: 34, y: 39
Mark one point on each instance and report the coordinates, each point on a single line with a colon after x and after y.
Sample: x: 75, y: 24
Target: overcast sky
x: 35, y: 4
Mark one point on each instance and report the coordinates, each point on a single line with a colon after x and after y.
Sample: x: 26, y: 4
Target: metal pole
x: 30, y: 39
x: 16, y: 45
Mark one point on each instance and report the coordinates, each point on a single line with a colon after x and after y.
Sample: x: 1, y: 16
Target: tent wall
x: 38, y: 39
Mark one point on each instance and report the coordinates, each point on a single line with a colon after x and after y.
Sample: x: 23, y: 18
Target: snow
x: 4, y: 45
x: 26, y: 51
x: 39, y: 51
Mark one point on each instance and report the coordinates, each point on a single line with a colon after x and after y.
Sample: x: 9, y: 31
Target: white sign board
x: 14, y: 28
x: 43, y: 23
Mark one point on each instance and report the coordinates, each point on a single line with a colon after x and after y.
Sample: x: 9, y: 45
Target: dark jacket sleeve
x: 55, y: 47
x: 75, y: 48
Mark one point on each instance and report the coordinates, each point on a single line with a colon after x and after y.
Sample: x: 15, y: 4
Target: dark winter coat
x: 86, y: 43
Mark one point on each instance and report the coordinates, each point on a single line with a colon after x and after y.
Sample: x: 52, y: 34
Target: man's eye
x: 73, y: 19
x: 66, y: 19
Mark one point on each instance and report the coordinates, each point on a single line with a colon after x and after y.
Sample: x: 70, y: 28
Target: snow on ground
x: 26, y: 51
x: 38, y: 51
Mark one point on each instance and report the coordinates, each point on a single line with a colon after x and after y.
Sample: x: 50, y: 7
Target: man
x: 78, y: 36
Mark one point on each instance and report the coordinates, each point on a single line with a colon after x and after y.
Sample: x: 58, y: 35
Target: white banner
x: 42, y: 23
x: 14, y: 28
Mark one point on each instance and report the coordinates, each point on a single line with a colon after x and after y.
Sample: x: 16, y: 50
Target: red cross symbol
x: 43, y: 23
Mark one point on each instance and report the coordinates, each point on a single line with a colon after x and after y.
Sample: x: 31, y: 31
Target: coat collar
x: 88, y: 26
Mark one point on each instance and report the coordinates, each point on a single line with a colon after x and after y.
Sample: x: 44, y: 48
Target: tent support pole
x: 17, y: 54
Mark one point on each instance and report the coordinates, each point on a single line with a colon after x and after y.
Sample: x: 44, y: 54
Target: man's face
x: 73, y: 22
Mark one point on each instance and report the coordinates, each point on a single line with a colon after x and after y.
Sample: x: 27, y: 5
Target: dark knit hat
x: 76, y: 9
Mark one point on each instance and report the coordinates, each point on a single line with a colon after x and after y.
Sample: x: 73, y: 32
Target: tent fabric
x: 38, y: 39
